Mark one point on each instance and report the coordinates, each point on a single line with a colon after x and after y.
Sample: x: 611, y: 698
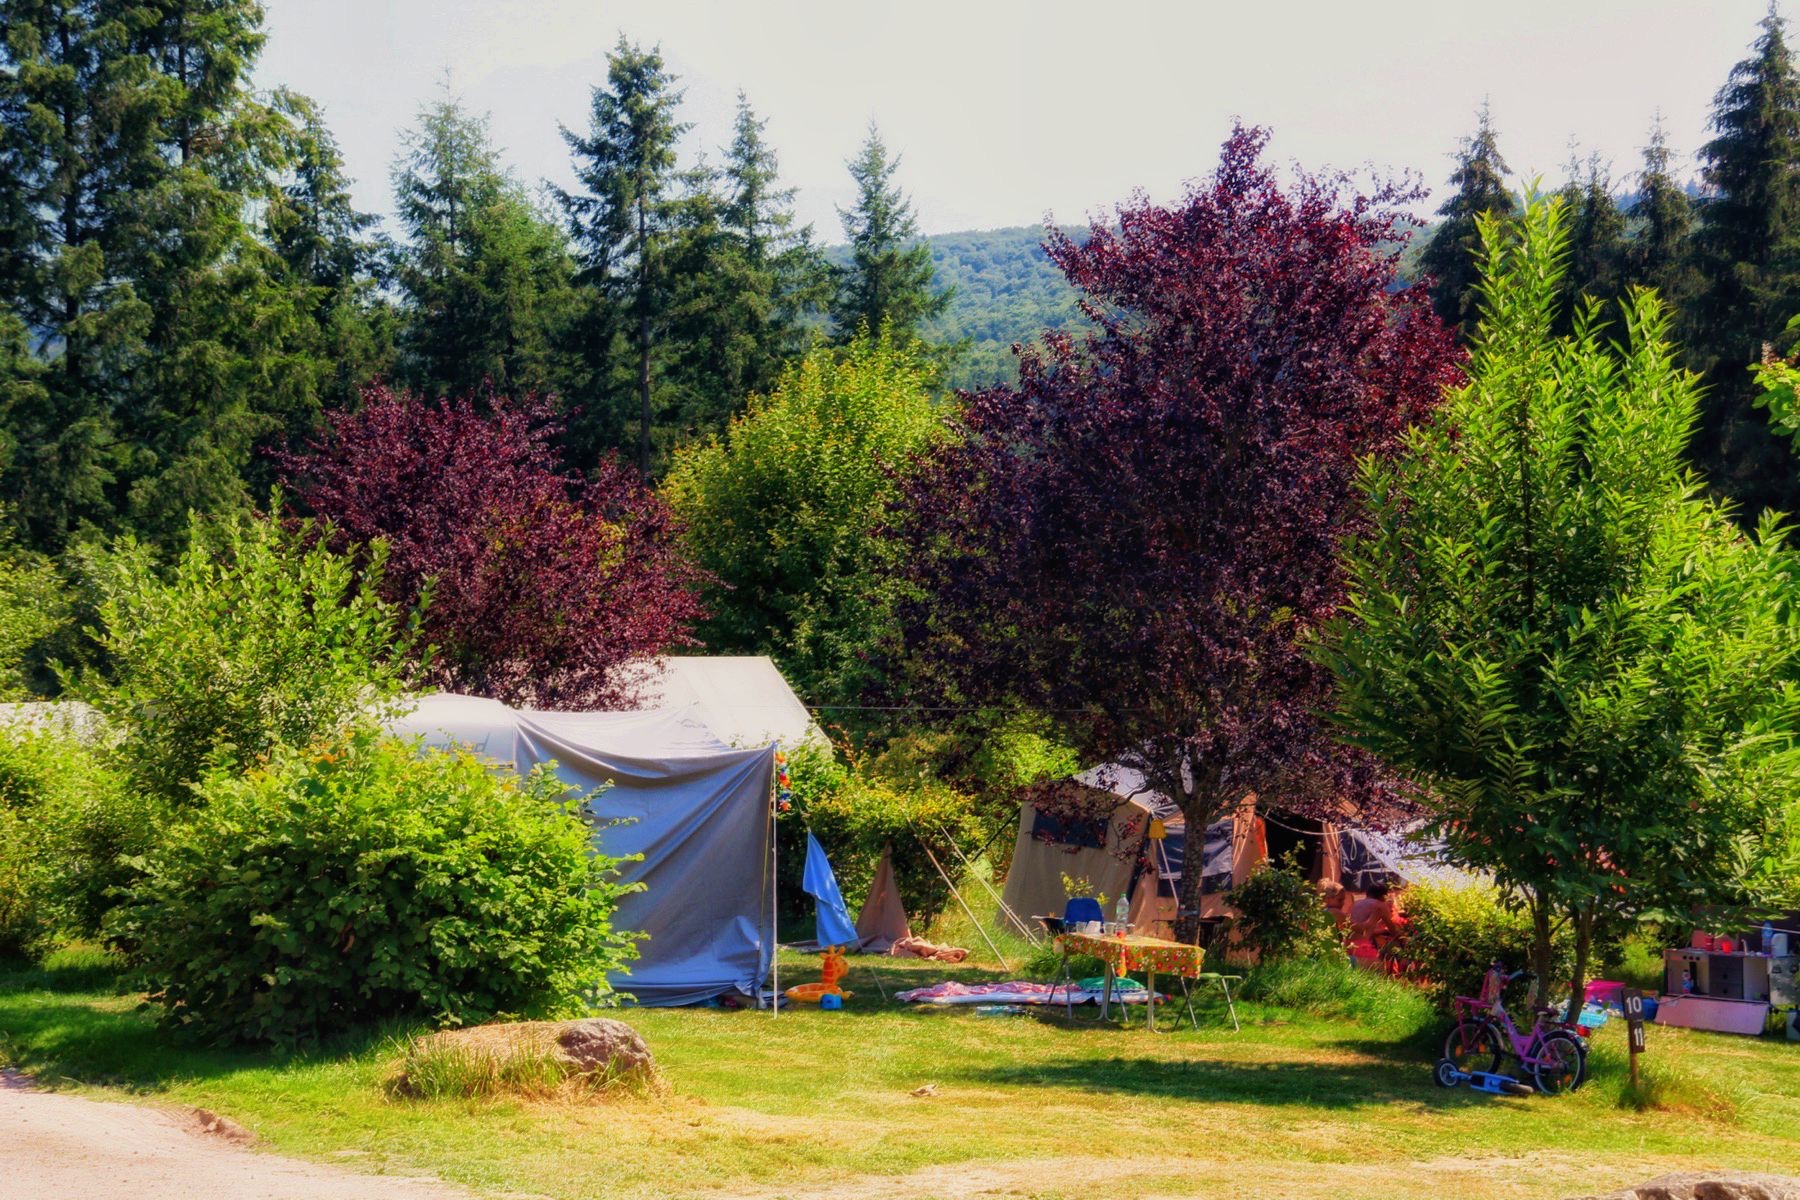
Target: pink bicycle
x: 1553, y: 1055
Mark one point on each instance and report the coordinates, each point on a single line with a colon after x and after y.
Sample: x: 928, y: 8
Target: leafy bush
x: 856, y: 814
x: 260, y: 636
x: 1281, y: 915
x: 1455, y: 933
x: 364, y: 879
x: 34, y: 604
x: 67, y: 831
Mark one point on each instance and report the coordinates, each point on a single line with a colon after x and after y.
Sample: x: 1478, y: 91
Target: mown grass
x: 1326, y: 1093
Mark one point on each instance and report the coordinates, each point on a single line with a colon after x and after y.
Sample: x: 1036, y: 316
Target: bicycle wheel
x: 1559, y: 1063
x: 1473, y: 1046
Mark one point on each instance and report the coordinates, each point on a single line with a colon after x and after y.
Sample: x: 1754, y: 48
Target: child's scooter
x: 1448, y: 1076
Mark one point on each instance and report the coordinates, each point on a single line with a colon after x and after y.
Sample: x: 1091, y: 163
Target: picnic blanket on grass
x: 1018, y: 991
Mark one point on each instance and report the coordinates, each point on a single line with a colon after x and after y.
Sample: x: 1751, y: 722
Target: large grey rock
x: 591, y: 1047
x: 1711, y: 1185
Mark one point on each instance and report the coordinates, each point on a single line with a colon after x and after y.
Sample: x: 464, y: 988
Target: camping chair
x: 1204, y: 929
x: 1081, y: 908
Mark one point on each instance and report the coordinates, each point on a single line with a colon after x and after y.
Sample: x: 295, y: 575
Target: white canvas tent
x: 663, y: 785
x: 743, y: 699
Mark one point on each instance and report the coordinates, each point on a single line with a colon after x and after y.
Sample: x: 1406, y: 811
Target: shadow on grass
x: 1207, y: 1080
x: 69, y: 1021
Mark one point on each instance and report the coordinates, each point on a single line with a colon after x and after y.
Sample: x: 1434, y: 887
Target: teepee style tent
x: 662, y: 785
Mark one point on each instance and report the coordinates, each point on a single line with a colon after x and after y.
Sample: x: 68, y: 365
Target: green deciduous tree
x: 889, y: 283
x: 485, y: 276
x: 260, y: 636
x: 782, y: 510
x: 1480, y: 188
x: 1580, y: 662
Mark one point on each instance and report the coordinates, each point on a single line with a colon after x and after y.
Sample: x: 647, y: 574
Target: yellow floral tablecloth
x: 1136, y: 953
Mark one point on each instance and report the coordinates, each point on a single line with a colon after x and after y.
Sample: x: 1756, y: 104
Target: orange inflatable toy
x: 833, y: 968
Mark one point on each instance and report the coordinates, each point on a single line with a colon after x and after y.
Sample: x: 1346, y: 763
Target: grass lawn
x: 1298, y: 1104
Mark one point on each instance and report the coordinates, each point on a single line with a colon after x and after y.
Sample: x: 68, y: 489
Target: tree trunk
x: 1584, y: 939
x: 1198, y: 792
x: 643, y: 299
x: 1540, y: 945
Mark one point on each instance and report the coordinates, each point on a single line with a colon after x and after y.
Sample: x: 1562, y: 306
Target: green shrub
x: 1455, y: 933
x: 34, y: 605
x: 365, y: 879
x: 68, y: 829
x: 1281, y: 915
x: 856, y: 814
x: 260, y: 636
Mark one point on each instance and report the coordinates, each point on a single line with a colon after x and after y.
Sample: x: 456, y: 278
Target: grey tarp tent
x: 696, y: 809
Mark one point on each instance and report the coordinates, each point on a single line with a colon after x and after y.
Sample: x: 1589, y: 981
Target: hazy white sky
x: 1006, y: 110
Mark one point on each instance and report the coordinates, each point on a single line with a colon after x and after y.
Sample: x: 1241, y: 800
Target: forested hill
x: 1007, y: 290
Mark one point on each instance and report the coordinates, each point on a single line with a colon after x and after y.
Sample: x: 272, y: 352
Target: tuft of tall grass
x: 431, y: 1069
x: 1665, y: 1084
x: 1334, y: 988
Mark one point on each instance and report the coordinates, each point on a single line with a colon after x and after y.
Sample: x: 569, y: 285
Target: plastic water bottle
x: 1122, y: 912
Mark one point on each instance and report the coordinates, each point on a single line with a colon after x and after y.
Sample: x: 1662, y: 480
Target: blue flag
x: 835, y: 928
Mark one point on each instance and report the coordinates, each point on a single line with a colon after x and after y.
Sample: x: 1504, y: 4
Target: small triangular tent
x: 882, y: 921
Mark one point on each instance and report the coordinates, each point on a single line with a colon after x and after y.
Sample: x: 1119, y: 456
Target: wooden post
x: 1634, y: 1028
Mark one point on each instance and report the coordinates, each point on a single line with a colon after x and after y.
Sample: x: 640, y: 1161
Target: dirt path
x: 61, y: 1147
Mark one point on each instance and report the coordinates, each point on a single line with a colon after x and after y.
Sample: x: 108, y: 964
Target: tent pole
x: 774, y: 886
x: 1005, y: 908
x: 979, y: 927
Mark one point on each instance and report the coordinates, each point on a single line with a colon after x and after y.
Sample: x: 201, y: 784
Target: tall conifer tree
x: 486, y: 276
x: 134, y: 153
x: 630, y: 209
x: 1660, y: 255
x: 890, y: 280
x: 1450, y: 256
x: 1596, y: 247
x: 1748, y: 252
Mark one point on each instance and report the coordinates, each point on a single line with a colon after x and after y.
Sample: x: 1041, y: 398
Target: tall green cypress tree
x: 1748, y: 252
x: 484, y: 275
x: 629, y: 211
x: 890, y: 282
x: 1660, y: 255
x: 1450, y: 256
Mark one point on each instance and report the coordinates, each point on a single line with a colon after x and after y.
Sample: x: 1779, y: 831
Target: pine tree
x: 485, y: 276
x: 890, y: 281
x: 1596, y: 246
x: 1748, y: 251
x: 1450, y: 256
x: 329, y: 247
x: 134, y: 153
x: 788, y: 267
x: 1660, y: 255
x: 629, y: 210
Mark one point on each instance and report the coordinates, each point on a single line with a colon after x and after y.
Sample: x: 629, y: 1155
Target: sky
x: 1006, y: 112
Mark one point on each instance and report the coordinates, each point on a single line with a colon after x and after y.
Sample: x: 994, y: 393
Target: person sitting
x: 1337, y: 902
